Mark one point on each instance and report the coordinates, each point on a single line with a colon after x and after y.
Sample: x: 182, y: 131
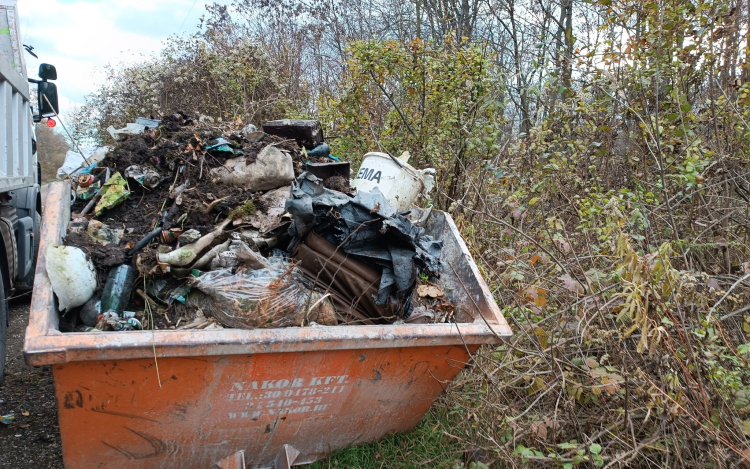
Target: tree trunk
x: 418, y: 4
x: 567, y: 62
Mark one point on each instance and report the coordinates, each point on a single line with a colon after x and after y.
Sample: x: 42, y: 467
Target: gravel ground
x: 32, y: 440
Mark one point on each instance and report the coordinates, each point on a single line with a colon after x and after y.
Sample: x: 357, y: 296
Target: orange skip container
x: 249, y: 398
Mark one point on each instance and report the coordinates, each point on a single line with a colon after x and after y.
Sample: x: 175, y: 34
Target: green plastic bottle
x: 117, y: 289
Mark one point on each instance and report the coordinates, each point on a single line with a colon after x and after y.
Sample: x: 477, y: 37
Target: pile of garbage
x: 188, y: 225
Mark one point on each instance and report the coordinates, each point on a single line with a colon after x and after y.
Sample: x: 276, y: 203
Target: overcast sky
x: 78, y: 37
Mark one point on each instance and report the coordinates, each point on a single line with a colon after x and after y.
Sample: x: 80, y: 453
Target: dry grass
x: 51, y: 148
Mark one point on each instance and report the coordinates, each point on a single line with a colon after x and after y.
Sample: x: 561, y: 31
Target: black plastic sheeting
x: 368, y: 228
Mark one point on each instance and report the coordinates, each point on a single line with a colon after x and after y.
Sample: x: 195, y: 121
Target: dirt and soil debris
x: 103, y: 257
x: 430, y: 304
x: 189, y: 199
x: 32, y: 439
x: 338, y: 183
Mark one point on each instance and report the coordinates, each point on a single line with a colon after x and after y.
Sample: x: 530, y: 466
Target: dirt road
x: 32, y: 440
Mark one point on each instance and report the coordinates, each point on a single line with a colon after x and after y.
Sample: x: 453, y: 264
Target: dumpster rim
x: 46, y: 345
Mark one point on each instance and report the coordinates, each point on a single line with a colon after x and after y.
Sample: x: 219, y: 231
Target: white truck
x: 20, y: 200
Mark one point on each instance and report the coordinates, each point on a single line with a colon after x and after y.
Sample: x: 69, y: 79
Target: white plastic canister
x: 399, y: 183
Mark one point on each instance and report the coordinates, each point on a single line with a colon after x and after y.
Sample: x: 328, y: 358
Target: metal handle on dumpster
x: 234, y: 461
x: 284, y: 459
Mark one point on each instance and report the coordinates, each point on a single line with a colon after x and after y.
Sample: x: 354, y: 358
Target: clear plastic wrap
x: 271, y: 297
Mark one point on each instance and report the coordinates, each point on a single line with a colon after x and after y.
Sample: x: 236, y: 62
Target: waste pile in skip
x: 183, y: 224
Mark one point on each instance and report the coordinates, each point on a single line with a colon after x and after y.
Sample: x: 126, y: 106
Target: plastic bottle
x: 90, y: 311
x: 117, y: 288
x: 320, y: 151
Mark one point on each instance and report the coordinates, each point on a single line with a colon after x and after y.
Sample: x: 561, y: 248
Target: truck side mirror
x: 47, y: 107
x: 47, y: 72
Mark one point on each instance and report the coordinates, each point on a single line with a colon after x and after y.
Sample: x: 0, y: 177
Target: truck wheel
x: 3, y: 327
x: 27, y: 283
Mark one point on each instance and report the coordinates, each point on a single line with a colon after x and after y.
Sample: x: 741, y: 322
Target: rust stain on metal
x: 73, y: 399
x: 158, y: 446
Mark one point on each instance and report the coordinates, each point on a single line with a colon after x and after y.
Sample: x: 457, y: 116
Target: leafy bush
x: 441, y: 102
x: 200, y: 74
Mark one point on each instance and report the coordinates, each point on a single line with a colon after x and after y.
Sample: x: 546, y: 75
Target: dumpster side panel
x: 119, y: 414
x: 317, y: 389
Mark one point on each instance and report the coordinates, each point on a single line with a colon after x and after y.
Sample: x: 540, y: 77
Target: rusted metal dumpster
x: 200, y: 399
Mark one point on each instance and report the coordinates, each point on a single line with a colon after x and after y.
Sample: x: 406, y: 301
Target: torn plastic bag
x: 264, y: 221
x: 225, y: 146
x: 74, y: 162
x: 148, y: 123
x: 243, y: 254
x: 125, y: 132
x: 224, y: 260
x: 115, y: 191
x: 306, y: 190
x: 167, y: 290
x: 367, y: 227
x: 71, y: 274
x: 270, y: 297
x: 103, y: 234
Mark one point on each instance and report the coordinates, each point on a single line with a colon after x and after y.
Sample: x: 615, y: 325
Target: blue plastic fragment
x: 225, y: 146
x: 320, y: 151
x: 89, y: 169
